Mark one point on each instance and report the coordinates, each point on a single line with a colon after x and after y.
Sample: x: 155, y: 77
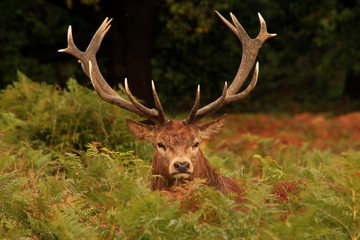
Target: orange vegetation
x: 340, y: 133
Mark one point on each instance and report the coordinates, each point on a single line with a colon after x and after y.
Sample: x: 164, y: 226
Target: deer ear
x: 140, y: 131
x: 211, y: 128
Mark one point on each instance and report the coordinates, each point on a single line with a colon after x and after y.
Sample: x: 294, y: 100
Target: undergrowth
x: 68, y: 171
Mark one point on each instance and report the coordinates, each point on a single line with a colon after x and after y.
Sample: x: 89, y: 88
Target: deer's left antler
x: 250, y: 50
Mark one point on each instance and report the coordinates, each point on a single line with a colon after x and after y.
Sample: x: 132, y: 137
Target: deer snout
x: 181, y: 167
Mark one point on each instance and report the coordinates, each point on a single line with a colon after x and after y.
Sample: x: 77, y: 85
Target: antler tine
x: 158, y: 105
x: 233, y: 29
x: 250, y: 87
x: 151, y: 114
x: 71, y: 47
x: 263, y: 34
x: 210, y: 108
x: 111, y: 98
x: 250, y: 49
x: 99, y: 35
x: 242, y: 34
x: 195, y: 108
x: 89, y: 65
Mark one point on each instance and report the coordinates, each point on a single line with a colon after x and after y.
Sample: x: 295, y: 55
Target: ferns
x: 63, y: 120
x: 60, y: 180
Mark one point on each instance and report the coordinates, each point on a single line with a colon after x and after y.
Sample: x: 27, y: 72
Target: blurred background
x: 312, y: 65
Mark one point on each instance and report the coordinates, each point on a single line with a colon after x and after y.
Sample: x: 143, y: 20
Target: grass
x: 70, y: 170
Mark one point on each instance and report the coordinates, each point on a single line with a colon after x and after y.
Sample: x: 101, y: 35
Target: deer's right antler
x: 230, y: 94
x: 91, y: 69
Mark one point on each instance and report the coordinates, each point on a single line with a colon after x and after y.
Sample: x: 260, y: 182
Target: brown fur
x: 178, y: 138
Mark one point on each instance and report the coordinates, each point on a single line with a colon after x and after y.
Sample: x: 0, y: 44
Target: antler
x: 230, y: 94
x: 91, y: 69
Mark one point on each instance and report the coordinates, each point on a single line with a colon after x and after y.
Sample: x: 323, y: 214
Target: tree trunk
x: 130, y: 44
x: 352, y: 85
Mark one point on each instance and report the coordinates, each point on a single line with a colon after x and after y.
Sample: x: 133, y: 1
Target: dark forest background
x: 312, y: 65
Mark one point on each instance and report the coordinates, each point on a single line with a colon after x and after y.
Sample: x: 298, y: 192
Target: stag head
x: 176, y: 145
x: 177, y: 154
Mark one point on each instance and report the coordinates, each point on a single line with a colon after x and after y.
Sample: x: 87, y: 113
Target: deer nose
x: 181, y: 167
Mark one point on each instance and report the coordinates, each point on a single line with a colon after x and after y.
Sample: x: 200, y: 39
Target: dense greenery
x: 54, y: 184
x: 69, y: 169
x: 314, y: 59
x: 47, y: 117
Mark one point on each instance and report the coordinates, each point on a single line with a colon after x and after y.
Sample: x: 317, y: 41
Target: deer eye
x: 162, y: 146
x: 196, y: 145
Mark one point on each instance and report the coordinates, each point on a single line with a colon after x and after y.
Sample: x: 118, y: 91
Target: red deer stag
x: 177, y: 154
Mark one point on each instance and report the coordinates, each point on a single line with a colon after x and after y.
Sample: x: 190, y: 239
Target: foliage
x: 28, y: 32
x: 315, y: 50
x: 70, y: 3
x: 62, y: 189
x: 44, y: 116
x: 255, y: 133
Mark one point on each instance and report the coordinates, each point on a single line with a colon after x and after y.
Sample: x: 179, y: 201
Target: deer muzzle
x: 181, y: 168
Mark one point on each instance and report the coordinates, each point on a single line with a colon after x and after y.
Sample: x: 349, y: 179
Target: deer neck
x: 161, y: 179
x: 203, y: 170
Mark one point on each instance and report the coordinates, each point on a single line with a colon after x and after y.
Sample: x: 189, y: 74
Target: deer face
x: 176, y: 144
